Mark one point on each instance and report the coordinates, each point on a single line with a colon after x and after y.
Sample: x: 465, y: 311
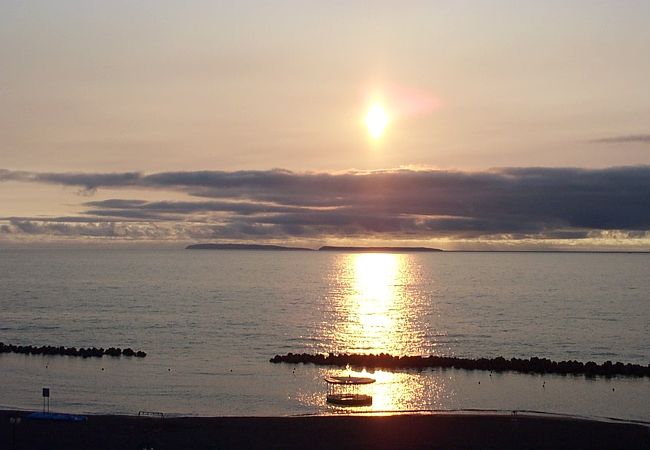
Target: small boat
x: 343, y: 391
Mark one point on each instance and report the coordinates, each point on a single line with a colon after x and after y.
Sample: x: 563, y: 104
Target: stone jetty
x: 90, y: 352
x: 499, y: 364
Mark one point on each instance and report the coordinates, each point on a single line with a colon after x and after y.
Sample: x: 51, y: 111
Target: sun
x: 376, y: 120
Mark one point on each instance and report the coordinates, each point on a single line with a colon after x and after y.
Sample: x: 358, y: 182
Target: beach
x: 403, y: 431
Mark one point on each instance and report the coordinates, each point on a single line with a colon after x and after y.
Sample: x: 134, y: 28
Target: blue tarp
x: 56, y: 416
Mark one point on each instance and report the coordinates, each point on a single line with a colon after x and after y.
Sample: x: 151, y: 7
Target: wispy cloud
x: 624, y: 139
x: 514, y: 203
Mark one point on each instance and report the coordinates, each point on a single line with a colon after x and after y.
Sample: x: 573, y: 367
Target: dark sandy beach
x: 405, y: 431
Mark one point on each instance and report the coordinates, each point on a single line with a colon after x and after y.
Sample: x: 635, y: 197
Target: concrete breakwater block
x: 498, y: 364
x: 89, y: 352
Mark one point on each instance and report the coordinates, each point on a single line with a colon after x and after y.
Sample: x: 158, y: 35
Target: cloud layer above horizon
x: 420, y: 205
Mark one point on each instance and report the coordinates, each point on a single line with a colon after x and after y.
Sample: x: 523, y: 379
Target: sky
x: 511, y: 124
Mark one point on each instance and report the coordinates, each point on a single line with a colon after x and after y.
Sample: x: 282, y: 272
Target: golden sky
x: 163, y: 86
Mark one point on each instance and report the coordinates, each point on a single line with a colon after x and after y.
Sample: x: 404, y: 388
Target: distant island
x: 244, y: 247
x: 326, y: 248
x: 331, y: 248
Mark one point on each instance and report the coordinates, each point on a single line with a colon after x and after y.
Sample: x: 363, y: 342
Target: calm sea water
x: 210, y: 321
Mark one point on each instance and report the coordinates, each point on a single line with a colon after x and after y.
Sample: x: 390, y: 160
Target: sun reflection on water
x: 374, y: 315
x: 392, y: 391
x: 380, y: 312
x: 374, y: 299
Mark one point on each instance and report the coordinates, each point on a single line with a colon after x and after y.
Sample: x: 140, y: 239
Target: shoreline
x: 470, y: 429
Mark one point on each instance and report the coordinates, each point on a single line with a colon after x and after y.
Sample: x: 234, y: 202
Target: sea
x: 210, y: 320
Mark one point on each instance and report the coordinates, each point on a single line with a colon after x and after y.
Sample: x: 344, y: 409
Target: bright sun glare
x: 376, y: 120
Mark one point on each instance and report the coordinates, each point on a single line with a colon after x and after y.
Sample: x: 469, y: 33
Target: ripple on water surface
x: 210, y: 321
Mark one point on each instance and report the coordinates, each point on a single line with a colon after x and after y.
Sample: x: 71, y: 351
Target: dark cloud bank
x: 507, y: 203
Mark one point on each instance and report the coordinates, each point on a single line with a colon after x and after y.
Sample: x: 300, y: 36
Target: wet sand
x: 404, y: 431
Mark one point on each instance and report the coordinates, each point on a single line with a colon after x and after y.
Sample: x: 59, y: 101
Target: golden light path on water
x: 379, y: 310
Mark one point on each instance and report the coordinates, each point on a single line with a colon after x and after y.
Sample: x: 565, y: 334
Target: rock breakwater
x: 499, y: 364
x: 90, y: 352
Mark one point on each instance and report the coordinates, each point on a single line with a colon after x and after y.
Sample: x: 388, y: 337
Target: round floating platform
x: 349, y: 380
x: 349, y: 399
